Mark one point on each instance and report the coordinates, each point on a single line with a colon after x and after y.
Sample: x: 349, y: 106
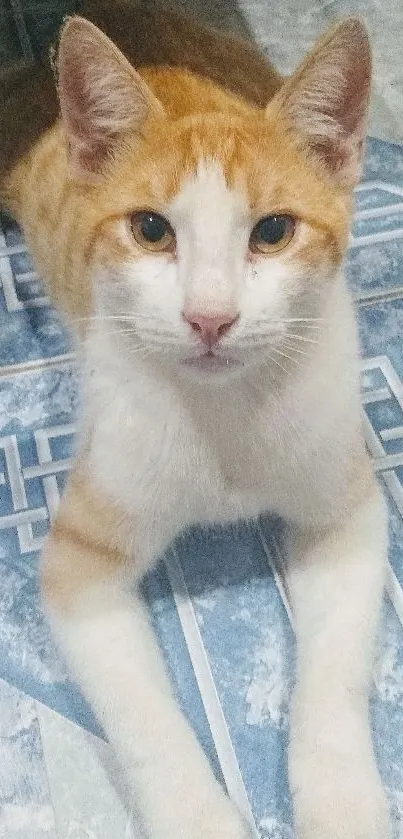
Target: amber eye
x: 271, y: 234
x: 152, y: 231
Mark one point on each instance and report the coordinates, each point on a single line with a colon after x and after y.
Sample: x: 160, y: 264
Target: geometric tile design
x: 14, y: 480
x: 382, y: 399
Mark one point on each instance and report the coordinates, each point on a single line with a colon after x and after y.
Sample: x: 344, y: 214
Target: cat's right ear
x: 102, y: 98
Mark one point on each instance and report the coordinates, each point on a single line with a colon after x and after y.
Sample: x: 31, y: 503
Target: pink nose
x: 210, y: 327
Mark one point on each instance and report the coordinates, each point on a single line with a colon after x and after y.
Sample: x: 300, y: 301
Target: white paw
x: 201, y: 816
x: 228, y: 824
x: 336, y: 800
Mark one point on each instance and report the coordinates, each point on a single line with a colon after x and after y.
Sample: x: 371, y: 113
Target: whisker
x: 310, y: 322
x: 289, y: 346
x: 290, y: 358
x: 146, y: 351
x: 118, y: 332
x: 123, y: 318
x: 300, y: 338
x: 159, y: 336
x: 278, y: 365
x: 302, y: 320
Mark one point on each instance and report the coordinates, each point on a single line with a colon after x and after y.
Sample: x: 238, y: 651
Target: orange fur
x: 256, y: 150
x: 149, y: 33
x: 89, y: 543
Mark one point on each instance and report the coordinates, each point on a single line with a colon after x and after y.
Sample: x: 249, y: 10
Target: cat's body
x: 199, y: 248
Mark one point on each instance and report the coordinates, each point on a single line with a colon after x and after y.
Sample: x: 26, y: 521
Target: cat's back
x: 150, y: 35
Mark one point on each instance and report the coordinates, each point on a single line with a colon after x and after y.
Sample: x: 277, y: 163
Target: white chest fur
x: 172, y: 456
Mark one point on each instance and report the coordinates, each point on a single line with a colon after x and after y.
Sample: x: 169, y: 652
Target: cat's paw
x: 199, y: 817
x: 223, y: 822
x: 340, y: 801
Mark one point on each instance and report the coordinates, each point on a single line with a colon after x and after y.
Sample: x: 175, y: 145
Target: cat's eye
x: 272, y: 234
x: 152, y: 231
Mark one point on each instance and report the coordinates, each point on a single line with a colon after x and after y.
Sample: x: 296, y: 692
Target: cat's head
x: 216, y: 228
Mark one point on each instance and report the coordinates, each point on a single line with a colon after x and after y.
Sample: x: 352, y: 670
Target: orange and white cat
x: 196, y: 242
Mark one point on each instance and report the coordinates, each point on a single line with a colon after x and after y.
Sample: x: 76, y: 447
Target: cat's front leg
x: 106, y: 638
x: 336, y: 581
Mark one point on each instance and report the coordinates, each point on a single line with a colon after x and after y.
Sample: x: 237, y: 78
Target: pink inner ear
x: 101, y: 95
x: 354, y: 100
x: 327, y: 100
x: 73, y: 93
x: 345, y: 155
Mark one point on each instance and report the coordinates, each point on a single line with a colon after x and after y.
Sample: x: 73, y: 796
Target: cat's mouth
x: 211, y: 362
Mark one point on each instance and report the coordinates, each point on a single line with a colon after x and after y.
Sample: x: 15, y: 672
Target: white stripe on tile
x: 391, y: 433
x: 276, y: 564
x: 37, y: 365
x: 376, y: 238
x: 12, y: 456
x: 383, y: 185
x: 388, y: 461
x: 395, y: 592
x: 370, y: 298
x: 42, y: 440
x: 7, y: 281
x: 379, y: 212
x: 25, y: 803
x: 52, y: 468
x: 87, y: 787
x: 392, y: 378
x: 204, y: 677
x: 379, y: 395
x: 23, y: 517
x: 9, y: 250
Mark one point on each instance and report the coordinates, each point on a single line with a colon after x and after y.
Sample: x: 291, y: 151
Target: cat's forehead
x: 214, y: 150
x: 237, y: 165
x: 186, y: 150
x: 206, y: 192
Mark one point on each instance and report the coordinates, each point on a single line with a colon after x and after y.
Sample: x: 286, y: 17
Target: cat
x: 194, y: 238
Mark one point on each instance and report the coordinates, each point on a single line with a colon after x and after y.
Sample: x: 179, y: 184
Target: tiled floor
x: 225, y: 632
x: 56, y: 779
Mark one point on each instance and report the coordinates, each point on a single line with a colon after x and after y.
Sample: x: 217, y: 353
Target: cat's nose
x: 210, y: 328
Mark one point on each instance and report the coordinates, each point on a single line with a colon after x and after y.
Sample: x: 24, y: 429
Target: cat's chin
x: 211, y: 367
x: 209, y: 362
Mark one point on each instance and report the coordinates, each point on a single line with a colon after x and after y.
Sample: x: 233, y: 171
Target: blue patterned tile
x: 25, y: 807
x: 387, y: 712
x: 381, y: 330
x: 384, y: 161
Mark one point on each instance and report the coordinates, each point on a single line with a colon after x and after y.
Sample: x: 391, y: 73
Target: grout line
x: 371, y: 298
x: 45, y: 754
x: 395, y: 592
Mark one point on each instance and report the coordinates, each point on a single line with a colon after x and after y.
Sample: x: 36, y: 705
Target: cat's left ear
x: 102, y: 98
x: 326, y: 100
